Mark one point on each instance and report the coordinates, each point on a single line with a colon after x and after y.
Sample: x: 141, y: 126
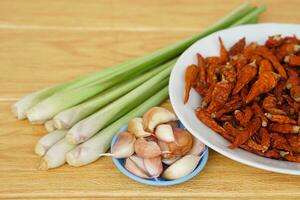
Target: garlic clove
x: 197, y: 148
x: 164, y: 133
x: 146, y: 149
x: 153, y: 166
x: 183, y: 143
x: 135, y: 126
x: 181, y: 167
x: 124, y: 147
x: 170, y: 161
x: 164, y: 147
x: 139, y: 162
x: 134, y: 169
x: 156, y: 116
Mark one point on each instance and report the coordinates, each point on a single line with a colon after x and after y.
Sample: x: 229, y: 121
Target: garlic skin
x: 146, y: 149
x: 135, y: 126
x: 156, y: 116
x: 153, y: 166
x: 124, y: 147
x: 183, y: 144
x: 198, y: 147
x: 134, y: 169
x: 139, y: 162
x: 164, y: 147
x: 181, y: 167
x: 164, y: 132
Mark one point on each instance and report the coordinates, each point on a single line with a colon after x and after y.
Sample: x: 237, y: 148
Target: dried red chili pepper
x: 245, y: 134
x: 246, y: 74
x: 279, y: 142
x: 237, y: 47
x: 222, y: 59
x: 274, y: 41
x: 265, y: 52
x: 219, y: 95
x: 259, y: 113
x: 190, y: 76
x: 228, y: 71
x: 293, y: 79
x: 225, y: 118
x: 250, y: 49
x: 202, y: 69
x: 212, y: 70
x: 294, y: 141
x: 284, y: 128
x: 273, y: 153
x: 281, y: 119
x: 239, y: 61
x: 295, y: 93
x: 292, y: 60
x: 279, y: 91
x: 292, y: 158
x: 239, y: 115
x: 287, y: 49
x: 270, y: 103
x: 265, y: 66
x: 211, y: 123
x: 207, y: 98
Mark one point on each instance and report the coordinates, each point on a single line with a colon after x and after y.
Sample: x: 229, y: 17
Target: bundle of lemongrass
x: 83, y: 115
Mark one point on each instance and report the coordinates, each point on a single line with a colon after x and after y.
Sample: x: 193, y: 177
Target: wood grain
x: 48, y: 42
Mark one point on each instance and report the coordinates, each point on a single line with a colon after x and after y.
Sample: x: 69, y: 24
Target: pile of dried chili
x: 251, y: 95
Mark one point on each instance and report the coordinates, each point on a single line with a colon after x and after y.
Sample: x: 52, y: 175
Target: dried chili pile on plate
x: 251, y: 95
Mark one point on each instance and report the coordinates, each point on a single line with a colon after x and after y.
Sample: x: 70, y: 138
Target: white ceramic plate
x: 209, y: 46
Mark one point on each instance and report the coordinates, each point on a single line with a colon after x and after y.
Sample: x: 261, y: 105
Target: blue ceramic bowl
x: 161, y: 181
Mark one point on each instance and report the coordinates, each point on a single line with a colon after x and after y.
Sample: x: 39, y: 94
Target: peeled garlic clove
x: 181, y: 167
x: 164, y: 132
x: 124, y: 147
x: 170, y: 161
x: 146, y: 149
x: 135, y: 126
x: 131, y: 167
x: 183, y: 143
x: 153, y: 166
x: 156, y: 116
x: 198, y: 147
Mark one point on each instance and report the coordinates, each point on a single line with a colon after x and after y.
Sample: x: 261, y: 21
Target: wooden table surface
x: 46, y: 42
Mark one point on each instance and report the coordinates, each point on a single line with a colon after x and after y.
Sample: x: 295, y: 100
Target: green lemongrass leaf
x: 148, y: 60
x: 250, y: 16
x: 67, y: 118
x: 92, y: 124
x: 92, y: 149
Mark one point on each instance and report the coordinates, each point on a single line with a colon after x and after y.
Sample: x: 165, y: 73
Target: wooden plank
x: 20, y: 178
x: 48, y: 42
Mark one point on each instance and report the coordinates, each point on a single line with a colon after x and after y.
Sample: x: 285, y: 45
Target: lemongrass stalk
x: 56, y: 155
x: 87, y: 127
x: 56, y: 103
x: 92, y: 149
x: 67, y: 118
x: 49, y: 125
x: 248, y: 18
x: 152, y: 59
x: 47, y: 141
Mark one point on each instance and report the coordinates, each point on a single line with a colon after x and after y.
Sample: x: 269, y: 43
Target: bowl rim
x: 152, y: 182
x: 192, y: 130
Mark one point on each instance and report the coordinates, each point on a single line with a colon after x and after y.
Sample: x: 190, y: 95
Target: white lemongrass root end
x: 59, y: 124
x: 35, y: 117
x: 43, y: 165
x: 49, y: 125
x: 48, y: 140
x: 56, y: 155
x: 70, y: 138
x: 40, y: 149
x: 20, y: 115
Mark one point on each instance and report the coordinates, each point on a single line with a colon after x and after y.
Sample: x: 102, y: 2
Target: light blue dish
x: 161, y: 181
